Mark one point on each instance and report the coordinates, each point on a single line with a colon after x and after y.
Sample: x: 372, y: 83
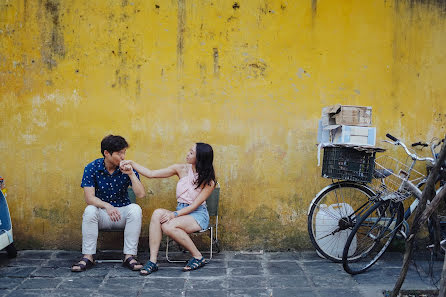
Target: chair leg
x: 167, y: 253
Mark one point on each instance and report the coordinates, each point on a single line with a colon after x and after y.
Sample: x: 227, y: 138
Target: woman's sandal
x: 129, y: 265
x: 148, y: 268
x: 88, y: 264
x: 194, y: 264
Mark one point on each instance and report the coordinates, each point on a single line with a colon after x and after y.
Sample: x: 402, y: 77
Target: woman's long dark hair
x: 205, y: 169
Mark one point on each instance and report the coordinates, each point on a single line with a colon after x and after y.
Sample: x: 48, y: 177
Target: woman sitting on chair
x: 195, y: 185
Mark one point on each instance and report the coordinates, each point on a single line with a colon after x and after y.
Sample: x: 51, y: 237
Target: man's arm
x: 137, y: 186
x: 91, y: 199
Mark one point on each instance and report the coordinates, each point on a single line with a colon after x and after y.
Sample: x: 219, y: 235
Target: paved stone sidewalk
x: 229, y: 274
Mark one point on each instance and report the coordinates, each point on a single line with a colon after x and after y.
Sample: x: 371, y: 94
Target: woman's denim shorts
x: 200, y: 214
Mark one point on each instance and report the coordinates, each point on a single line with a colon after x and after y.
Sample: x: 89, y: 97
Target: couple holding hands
x: 105, y: 183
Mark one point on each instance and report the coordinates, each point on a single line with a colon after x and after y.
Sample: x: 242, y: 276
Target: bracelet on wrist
x: 175, y: 214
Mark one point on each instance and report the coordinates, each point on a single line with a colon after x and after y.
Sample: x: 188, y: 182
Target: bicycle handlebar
x: 419, y: 143
x: 409, y: 153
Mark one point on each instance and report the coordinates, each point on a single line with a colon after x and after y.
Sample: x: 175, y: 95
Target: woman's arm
x: 203, y: 196
x: 160, y: 173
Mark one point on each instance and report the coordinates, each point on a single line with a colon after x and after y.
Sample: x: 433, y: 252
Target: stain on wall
x: 248, y: 77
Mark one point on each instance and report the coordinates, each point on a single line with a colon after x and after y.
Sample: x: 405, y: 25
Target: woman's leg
x: 155, y: 233
x: 179, y: 228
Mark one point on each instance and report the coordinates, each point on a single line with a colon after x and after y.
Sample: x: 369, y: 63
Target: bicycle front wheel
x: 371, y: 236
x: 333, y: 214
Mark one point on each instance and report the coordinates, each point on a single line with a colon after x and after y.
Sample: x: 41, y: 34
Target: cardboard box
x: 353, y: 135
x: 350, y: 115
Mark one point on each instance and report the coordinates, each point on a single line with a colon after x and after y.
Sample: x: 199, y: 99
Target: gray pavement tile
x: 206, y: 284
x: 283, y: 256
x: 206, y: 293
x: 243, y: 264
x: 169, y: 272
x: 124, y: 283
x: 377, y: 276
x: 235, y: 282
x: 163, y: 284
x: 310, y: 256
x: 9, y: 283
x: 285, y: 268
x: 301, y: 292
x: 250, y: 293
x: 321, y: 267
x: 51, y: 272
x: 40, y: 283
x: 164, y: 293
x: 92, y: 272
x: 78, y: 292
x: 341, y: 292
x: 35, y: 254
x: 28, y: 262
x: 29, y: 293
x: 208, y: 272
x: 17, y: 271
x: 123, y: 272
x: 333, y: 281
x: 245, y: 271
x: 3, y: 293
x: 216, y: 263
x: 117, y: 292
x: 247, y: 257
x: 91, y: 283
x: 67, y: 255
x: 284, y: 281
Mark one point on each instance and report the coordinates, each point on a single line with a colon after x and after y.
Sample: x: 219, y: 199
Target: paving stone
x: 40, y: 283
x: 322, y: 266
x: 289, y: 268
x: 9, y: 283
x: 123, y: 272
x: 236, y: 282
x: 29, y: 293
x: 117, y: 292
x: 3, y: 293
x: 284, y: 281
x: 206, y: 284
x: 339, y: 292
x: 247, y: 257
x: 169, y: 272
x: 163, y: 283
x: 301, y: 292
x: 208, y: 272
x: 164, y: 293
x: 92, y: 272
x: 250, y: 293
x: 91, y: 283
x: 129, y: 283
x: 17, y: 271
x: 51, y: 272
x: 68, y: 255
x: 246, y: 271
x: 35, y: 254
x: 243, y: 264
x: 283, y: 256
x: 206, y: 293
x: 310, y: 256
x: 29, y: 262
x: 333, y: 281
x: 64, y: 292
x: 215, y: 264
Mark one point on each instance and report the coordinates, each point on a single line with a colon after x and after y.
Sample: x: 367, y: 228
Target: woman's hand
x: 167, y: 216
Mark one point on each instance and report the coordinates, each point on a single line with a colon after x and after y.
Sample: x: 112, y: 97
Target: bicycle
x: 378, y: 226
x: 333, y: 212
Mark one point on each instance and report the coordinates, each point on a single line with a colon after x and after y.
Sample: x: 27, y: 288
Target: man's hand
x: 113, y: 213
x: 126, y: 167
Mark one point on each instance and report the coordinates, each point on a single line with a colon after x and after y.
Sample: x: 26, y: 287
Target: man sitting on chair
x: 105, y: 190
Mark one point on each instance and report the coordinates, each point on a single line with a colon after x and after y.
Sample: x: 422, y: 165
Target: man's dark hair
x: 113, y: 143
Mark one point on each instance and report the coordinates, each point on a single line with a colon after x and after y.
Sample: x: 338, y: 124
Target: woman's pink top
x: 186, y: 192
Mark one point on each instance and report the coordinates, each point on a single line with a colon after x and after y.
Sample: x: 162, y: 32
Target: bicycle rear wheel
x: 333, y: 214
x: 372, y: 235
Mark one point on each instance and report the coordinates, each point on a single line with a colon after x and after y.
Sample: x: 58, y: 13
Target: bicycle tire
x: 336, y: 202
x: 373, y: 234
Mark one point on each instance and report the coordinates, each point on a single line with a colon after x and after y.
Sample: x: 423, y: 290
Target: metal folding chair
x: 212, y: 204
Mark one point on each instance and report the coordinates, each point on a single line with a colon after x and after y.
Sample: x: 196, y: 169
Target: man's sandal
x: 127, y: 263
x: 148, y: 268
x: 194, y: 264
x: 88, y: 264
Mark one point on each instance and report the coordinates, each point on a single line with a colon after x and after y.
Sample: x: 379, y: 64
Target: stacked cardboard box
x: 347, y: 124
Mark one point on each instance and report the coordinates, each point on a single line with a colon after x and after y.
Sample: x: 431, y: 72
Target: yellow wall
x: 250, y: 79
